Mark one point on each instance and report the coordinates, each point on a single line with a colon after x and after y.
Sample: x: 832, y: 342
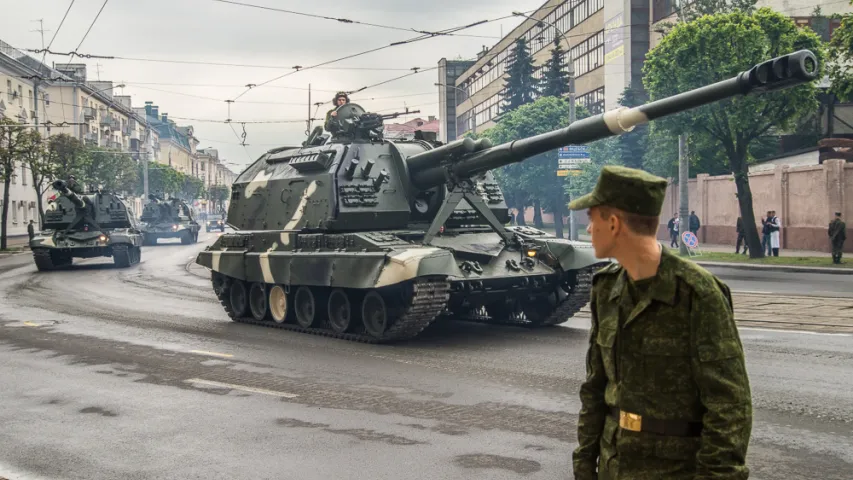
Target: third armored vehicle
x: 171, y: 218
x: 358, y: 237
x: 86, y: 225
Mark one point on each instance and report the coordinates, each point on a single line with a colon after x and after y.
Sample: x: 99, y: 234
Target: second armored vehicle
x: 171, y: 218
x: 358, y: 237
x: 86, y: 225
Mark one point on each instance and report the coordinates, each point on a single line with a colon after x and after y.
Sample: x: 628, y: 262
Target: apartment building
x: 606, y: 41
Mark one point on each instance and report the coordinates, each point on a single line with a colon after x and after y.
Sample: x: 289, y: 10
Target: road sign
x: 690, y: 239
x: 573, y: 151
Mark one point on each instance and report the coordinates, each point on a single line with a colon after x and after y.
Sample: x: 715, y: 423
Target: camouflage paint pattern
x: 675, y: 354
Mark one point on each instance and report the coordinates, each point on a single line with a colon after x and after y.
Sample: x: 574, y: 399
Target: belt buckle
x: 630, y: 421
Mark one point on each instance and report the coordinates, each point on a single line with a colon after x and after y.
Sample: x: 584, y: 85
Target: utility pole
x: 684, y: 208
x: 308, y: 130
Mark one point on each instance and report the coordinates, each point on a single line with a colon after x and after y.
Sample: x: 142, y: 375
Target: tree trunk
x: 519, y: 219
x: 559, y: 206
x: 41, y: 210
x: 744, y: 197
x: 537, y: 214
x: 7, y: 180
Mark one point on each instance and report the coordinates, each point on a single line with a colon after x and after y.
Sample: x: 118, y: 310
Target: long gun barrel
x: 430, y: 169
x: 63, y: 189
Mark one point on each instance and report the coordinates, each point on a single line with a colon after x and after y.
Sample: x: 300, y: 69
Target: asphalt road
x: 783, y: 283
x: 138, y: 374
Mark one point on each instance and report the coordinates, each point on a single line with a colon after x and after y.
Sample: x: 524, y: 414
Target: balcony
x: 89, y: 113
x: 90, y: 139
x: 110, y: 123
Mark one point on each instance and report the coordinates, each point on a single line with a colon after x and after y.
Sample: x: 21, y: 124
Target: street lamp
x: 573, y: 229
x: 455, y: 103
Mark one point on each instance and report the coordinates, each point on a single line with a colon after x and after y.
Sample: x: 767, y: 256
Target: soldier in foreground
x: 837, y: 236
x: 666, y: 394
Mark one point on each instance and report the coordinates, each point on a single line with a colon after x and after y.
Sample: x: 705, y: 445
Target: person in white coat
x: 775, y: 236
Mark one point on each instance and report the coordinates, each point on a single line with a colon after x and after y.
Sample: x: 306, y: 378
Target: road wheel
x: 374, y: 314
x: 278, y: 304
x: 258, y: 301
x: 305, y: 305
x: 239, y: 298
x: 340, y: 311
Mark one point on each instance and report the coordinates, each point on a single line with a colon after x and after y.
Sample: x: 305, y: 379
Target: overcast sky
x: 211, y: 31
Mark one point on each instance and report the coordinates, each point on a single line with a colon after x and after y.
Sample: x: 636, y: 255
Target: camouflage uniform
x: 837, y: 236
x: 666, y: 394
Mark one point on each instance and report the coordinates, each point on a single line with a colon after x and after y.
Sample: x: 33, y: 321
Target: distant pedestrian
x: 775, y: 235
x: 765, y: 234
x: 672, y: 226
x: 31, y: 230
x: 694, y: 223
x: 666, y: 393
x: 741, y: 236
x: 837, y: 236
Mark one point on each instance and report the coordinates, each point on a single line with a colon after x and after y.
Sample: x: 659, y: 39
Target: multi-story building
x: 606, y: 41
x: 18, y: 93
x: 60, y: 100
x: 177, y: 145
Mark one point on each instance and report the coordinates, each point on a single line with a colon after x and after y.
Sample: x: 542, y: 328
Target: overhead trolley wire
x: 345, y: 20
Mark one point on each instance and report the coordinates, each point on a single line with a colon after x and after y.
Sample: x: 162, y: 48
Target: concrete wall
x: 805, y: 199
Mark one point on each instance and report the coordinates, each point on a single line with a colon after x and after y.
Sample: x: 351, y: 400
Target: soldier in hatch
x: 666, y: 394
x: 341, y: 98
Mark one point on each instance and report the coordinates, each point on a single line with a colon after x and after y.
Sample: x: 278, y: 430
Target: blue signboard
x: 573, y: 151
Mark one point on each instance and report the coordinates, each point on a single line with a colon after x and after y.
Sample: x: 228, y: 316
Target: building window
x: 25, y: 211
x: 566, y: 16
x: 9, y: 92
x: 14, y: 212
x: 589, y: 54
x: 24, y: 174
x: 32, y: 100
x: 593, y: 101
x: 20, y: 96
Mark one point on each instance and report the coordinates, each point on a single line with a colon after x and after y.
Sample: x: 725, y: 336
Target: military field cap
x: 627, y: 189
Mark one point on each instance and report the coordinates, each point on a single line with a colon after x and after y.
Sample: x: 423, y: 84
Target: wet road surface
x: 139, y: 374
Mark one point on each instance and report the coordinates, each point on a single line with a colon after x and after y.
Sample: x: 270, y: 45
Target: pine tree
x: 521, y: 86
x: 555, y: 81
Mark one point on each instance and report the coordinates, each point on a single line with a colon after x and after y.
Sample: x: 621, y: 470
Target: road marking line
x: 241, y: 387
x: 212, y: 354
x: 31, y: 324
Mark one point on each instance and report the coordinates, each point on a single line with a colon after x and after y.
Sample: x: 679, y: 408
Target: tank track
x: 429, y: 298
x: 569, y: 306
x: 43, y: 260
x: 124, y: 256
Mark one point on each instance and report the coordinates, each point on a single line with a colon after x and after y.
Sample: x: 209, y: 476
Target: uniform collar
x: 663, y: 285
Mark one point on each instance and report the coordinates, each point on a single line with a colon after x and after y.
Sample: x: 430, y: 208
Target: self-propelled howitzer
x: 86, y: 225
x: 355, y: 236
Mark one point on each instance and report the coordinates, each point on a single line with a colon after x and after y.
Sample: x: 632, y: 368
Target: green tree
x: 110, y: 170
x: 840, y: 67
x: 218, y: 194
x: 162, y: 179
x: 536, y: 176
x: 15, y: 142
x: 555, y: 80
x: 715, y: 47
x: 521, y: 86
x: 41, y: 170
x: 65, y: 156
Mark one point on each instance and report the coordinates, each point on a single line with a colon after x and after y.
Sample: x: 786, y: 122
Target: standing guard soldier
x: 837, y: 236
x: 666, y: 394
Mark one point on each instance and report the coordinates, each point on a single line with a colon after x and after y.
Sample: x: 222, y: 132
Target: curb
x: 779, y: 268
